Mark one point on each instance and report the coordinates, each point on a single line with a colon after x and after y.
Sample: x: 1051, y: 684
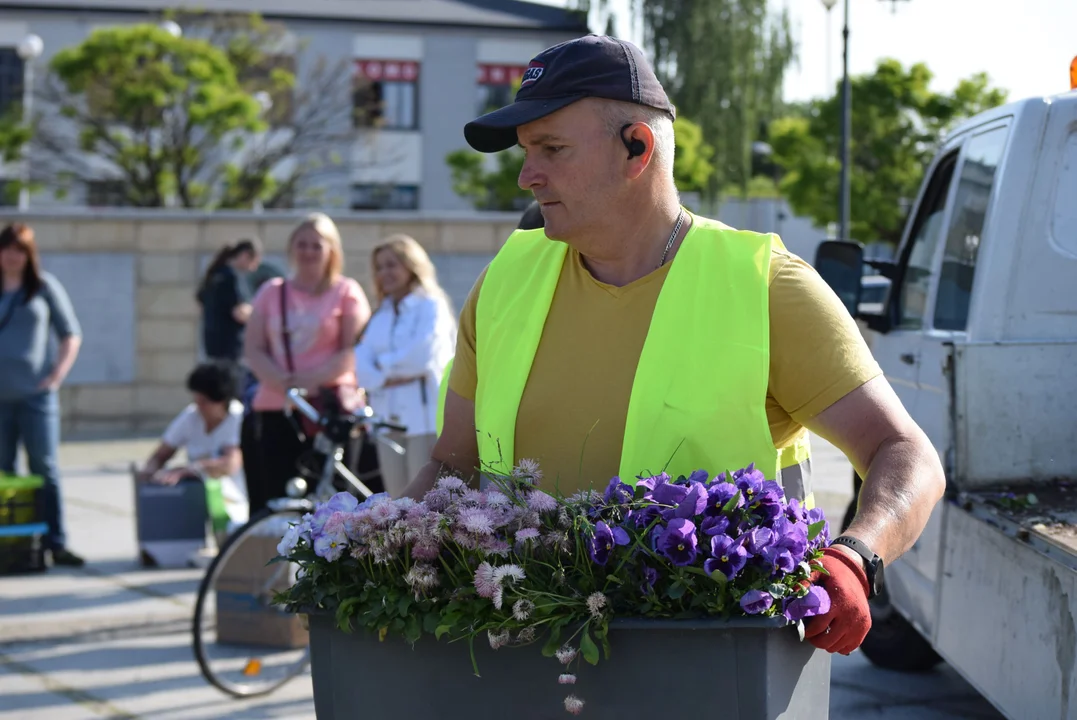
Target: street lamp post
x: 846, y: 122
x: 829, y: 5
x: 28, y: 50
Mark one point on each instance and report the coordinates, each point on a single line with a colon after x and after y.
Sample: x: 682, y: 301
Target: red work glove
x: 847, y: 624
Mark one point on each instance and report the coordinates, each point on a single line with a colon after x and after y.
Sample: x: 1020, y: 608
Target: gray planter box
x: 744, y: 669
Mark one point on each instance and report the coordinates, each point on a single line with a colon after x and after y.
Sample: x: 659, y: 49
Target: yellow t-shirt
x: 574, y: 408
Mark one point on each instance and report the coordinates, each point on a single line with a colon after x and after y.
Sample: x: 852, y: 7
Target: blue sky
x: 1027, y: 55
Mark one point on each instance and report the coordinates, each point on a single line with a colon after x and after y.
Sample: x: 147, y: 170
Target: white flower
x: 289, y: 541
x: 422, y: 576
x: 499, y: 597
x: 566, y: 654
x: 498, y: 639
x: 527, y: 534
x: 527, y: 467
x: 451, y: 483
x: 540, y: 501
x: 573, y: 704
x: 522, y: 609
x: 595, y: 602
x: 526, y: 635
x: 485, y: 583
x: 477, y: 521
x: 567, y: 679
x: 496, y: 499
x: 514, y: 572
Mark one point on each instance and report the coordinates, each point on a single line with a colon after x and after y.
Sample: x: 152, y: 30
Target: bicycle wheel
x: 244, y: 644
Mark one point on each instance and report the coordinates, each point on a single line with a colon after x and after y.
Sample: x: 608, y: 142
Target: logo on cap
x: 533, y: 73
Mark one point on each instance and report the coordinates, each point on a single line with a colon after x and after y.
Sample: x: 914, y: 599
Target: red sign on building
x: 388, y: 70
x: 500, y: 74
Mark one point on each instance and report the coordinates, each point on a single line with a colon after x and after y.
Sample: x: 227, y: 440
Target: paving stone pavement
x: 112, y: 640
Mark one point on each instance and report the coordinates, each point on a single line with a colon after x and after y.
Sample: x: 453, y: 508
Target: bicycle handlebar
x: 366, y: 414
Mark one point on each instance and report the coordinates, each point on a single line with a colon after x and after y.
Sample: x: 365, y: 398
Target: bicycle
x: 262, y: 647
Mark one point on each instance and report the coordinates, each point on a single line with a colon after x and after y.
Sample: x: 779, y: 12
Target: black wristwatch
x: 874, y: 563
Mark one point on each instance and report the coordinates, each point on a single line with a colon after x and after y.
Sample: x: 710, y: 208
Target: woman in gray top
x: 33, y: 305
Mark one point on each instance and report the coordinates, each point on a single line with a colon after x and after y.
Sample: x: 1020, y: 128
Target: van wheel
x: 894, y: 644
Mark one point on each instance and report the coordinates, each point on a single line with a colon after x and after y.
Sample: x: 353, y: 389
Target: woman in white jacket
x: 403, y: 351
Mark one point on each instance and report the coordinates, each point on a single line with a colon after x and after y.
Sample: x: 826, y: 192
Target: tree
x: 897, y: 126
x: 722, y: 62
x: 210, y: 119
x: 496, y: 187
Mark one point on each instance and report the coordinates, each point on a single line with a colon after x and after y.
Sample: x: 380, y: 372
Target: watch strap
x: 872, y: 562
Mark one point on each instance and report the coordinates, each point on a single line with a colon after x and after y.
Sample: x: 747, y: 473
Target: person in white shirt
x: 402, y: 353
x: 208, y: 431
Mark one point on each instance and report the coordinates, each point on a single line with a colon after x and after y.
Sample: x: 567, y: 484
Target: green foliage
x: 496, y: 188
x: 183, y: 118
x: 898, y: 124
x: 489, y: 189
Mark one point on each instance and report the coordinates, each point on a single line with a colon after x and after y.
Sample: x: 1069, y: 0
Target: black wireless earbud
x: 635, y: 147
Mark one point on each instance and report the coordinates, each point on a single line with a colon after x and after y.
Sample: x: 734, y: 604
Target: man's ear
x: 638, y: 139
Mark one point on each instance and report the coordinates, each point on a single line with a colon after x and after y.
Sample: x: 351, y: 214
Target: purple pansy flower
x: 693, y: 503
x: 678, y: 542
x: 650, y: 577
x: 715, y: 525
x: 617, y: 493
x: 794, y: 510
x: 750, y: 483
x: 816, y: 602
x: 791, y: 536
x: 728, y: 556
x: 754, y: 602
x: 668, y: 494
x: 718, y: 495
x: 758, y: 540
x: 772, y: 491
x: 779, y: 560
x: 601, y: 544
x: 645, y: 516
x: 699, y: 476
x: 650, y: 483
x: 769, y: 509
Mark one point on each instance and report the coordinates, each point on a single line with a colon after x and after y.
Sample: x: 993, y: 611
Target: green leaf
x: 719, y: 577
x: 412, y: 629
x: 676, y: 591
x: 430, y: 622
x: 403, y: 605
x: 554, y: 643
x: 814, y: 529
x: 441, y: 630
x: 588, y: 648
x: 777, y: 590
x: 732, y: 504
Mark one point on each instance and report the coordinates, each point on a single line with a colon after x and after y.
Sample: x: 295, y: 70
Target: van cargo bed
x: 1041, y: 514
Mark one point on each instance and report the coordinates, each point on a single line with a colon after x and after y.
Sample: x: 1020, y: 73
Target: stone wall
x: 134, y: 382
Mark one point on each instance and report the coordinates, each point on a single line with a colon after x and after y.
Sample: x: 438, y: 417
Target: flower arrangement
x: 518, y: 566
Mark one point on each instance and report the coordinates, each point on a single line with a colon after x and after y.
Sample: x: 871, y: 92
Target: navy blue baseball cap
x: 594, y: 66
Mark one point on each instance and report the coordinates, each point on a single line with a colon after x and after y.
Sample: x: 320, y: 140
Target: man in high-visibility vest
x: 630, y: 336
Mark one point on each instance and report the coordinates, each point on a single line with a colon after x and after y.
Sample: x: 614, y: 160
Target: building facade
x: 420, y: 69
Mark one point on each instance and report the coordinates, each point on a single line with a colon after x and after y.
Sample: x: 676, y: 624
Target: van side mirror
x: 841, y: 265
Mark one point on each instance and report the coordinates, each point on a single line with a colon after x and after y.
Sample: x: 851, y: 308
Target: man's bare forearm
x: 903, y: 483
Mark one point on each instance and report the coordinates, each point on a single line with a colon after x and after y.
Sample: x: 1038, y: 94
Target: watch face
x: 879, y: 581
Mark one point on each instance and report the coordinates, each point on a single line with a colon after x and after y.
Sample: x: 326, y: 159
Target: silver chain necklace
x: 673, y: 236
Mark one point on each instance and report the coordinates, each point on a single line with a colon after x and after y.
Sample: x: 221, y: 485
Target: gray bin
x: 743, y: 669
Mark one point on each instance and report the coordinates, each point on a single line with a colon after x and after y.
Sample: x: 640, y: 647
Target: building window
x: 497, y: 85
x: 9, y: 196
x: 385, y: 197
x: 11, y: 78
x: 106, y: 193
x: 385, y: 94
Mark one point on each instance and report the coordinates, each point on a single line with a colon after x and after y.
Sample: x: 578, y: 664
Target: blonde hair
x: 324, y: 226
x: 413, y: 257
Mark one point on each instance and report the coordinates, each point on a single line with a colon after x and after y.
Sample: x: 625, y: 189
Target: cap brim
x: 496, y: 131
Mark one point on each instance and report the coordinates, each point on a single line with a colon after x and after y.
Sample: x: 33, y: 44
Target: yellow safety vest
x: 439, y: 421
x: 699, y: 395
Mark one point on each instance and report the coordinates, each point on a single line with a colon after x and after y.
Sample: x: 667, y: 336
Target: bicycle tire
x: 206, y: 587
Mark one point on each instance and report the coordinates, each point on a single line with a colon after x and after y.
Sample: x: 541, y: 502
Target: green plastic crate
x: 22, y: 526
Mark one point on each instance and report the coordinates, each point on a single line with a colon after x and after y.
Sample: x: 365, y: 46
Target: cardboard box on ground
x: 245, y: 590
